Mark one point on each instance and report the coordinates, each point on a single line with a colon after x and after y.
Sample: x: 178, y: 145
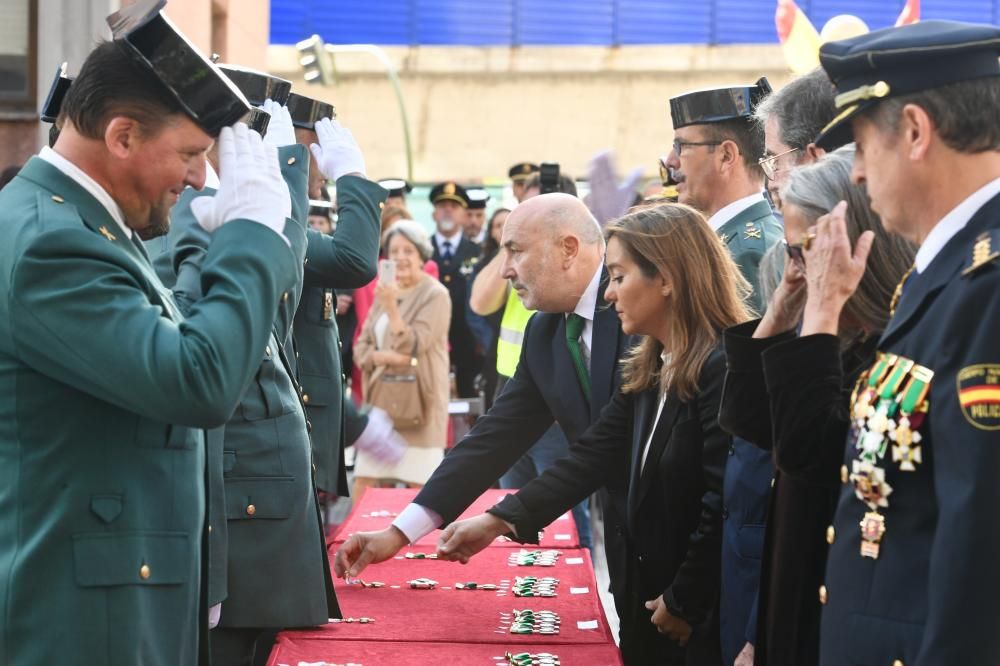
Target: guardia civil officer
x: 103, y: 508
x: 911, y: 575
x: 716, y: 148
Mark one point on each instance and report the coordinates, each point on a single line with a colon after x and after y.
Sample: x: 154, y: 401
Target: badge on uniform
x: 982, y: 254
x: 979, y: 395
x: 327, y: 305
x: 751, y: 232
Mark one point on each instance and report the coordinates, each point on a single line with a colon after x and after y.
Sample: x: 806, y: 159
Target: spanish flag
x: 979, y: 395
x: 910, y: 13
x: 799, y: 39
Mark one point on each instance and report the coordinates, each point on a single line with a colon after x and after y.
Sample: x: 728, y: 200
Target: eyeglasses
x: 769, y: 163
x: 794, y: 253
x: 679, y: 145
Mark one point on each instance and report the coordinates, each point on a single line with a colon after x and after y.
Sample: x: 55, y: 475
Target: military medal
x: 872, y: 530
x: 476, y: 586
x: 351, y: 620
x: 526, y: 622
x: 530, y: 586
x: 529, y: 659
x: 373, y: 584
x: 421, y: 556
x: 327, y: 304
x: 906, y: 439
x: 528, y: 558
x: 422, y: 584
x: 870, y: 485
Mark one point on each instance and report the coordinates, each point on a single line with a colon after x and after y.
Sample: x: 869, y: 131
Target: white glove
x: 607, y: 200
x: 380, y: 440
x: 250, y: 184
x: 338, y: 153
x: 280, y: 131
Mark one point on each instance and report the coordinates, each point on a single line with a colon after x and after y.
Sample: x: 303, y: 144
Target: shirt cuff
x: 416, y: 522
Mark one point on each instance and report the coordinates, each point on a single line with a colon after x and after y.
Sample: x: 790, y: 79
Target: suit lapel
x: 661, y: 435
x: 603, y: 351
x: 922, y: 288
x: 643, y: 419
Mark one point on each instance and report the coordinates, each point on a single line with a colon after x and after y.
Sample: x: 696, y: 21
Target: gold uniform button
x: 822, y: 594
x: 772, y: 482
x: 209, y: 529
x: 144, y: 572
x: 284, y: 297
x: 291, y: 161
x: 305, y: 398
x: 898, y: 662
x: 844, y: 475
x: 58, y: 199
x: 267, y: 351
x: 831, y: 535
x: 251, y: 509
x: 381, y: 205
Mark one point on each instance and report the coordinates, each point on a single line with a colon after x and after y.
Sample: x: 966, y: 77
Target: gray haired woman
x: 403, y: 355
x: 791, y: 394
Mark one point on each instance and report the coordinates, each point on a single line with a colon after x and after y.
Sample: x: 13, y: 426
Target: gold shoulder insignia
x: 107, y: 234
x: 751, y: 232
x: 723, y: 239
x: 982, y: 254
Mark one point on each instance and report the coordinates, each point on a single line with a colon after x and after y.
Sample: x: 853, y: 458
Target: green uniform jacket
x: 272, y: 554
x: 346, y: 260
x: 748, y: 236
x: 104, y: 388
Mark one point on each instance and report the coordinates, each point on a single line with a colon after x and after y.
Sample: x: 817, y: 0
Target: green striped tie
x: 574, y: 327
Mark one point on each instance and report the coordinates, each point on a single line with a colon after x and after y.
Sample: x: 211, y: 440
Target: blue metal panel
x: 663, y: 22
x: 564, y: 22
x: 743, y: 21
x: 469, y: 22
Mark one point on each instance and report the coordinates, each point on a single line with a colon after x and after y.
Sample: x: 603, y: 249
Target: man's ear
x: 569, y: 246
x: 917, y: 129
x: 813, y: 153
x: 121, y: 136
x: 729, y: 154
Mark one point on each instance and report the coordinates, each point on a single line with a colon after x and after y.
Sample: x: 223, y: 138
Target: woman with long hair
x: 791, y: 394
x: 675, y: 285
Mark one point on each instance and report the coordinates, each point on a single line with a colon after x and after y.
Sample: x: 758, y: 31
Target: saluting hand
x: 787, y: 303
x: 833, y: 270
x: 464, y: 538
x: 280, y: 130
x: 366, y: 548
x: 337, y: 153
x: 251, y: 186
x: 670, y: 625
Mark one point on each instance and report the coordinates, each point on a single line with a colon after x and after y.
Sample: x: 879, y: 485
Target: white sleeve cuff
x: 416, y: 522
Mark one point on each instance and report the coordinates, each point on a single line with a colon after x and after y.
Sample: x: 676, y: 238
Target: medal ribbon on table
x: 881, y: 413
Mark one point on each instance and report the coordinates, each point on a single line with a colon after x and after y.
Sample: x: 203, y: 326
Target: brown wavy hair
x: 709, y: 294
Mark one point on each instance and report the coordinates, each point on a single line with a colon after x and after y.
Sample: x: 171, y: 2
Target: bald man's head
x: 554, y: 246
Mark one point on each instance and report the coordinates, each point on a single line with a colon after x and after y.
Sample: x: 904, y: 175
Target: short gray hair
x: 966, y: 114
x: 770, y: 271
x: 802, y: 108
x: 816, y: 189
x: 413, y: 232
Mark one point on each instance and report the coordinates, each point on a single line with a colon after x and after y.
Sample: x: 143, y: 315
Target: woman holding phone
x: 403, y: 355
x: 674, y: 284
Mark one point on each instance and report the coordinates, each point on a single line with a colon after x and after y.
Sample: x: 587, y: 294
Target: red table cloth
x: 378, y: 507
x: 293, y: 648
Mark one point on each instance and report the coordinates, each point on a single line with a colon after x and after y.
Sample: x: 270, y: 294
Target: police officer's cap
x: 258, y: 86
x: 209, y: 98
x: 449, y: 191
x: 397, y: 187
x: 306, y: 111
x: 522, y: 171
x: 53, y: 103
x: 716, y: 105
x: 900, y: 61
x: 477, y: 198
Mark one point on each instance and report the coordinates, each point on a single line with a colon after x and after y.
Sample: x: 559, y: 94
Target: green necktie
x: 574, y: 327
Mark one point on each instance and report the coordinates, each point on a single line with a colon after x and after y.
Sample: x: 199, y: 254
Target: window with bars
x: 17, y: 54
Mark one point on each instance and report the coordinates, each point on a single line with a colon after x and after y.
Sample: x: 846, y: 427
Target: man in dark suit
x: 456, y: 256
x: 555, y: 253
x: 104, y: 505
x: 911, y: 576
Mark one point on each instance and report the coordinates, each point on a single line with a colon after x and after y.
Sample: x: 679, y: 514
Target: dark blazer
x: 762, y: 372
x: 104, y: 387
x: 930, y: 597
x: 454, y: 274
x: 348, y: 259
x: 544, y: 389
x: 674, y: 529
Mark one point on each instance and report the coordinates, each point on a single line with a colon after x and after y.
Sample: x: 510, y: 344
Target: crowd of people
x: 776, y: 374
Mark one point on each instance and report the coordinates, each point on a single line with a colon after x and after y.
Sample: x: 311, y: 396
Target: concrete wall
x: 475, y: 111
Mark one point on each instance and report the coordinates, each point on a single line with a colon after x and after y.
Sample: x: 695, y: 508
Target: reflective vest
x: 512, y: 325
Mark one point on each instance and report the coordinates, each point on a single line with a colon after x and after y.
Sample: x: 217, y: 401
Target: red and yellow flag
x: 910, y: 13
x: 799, y: 39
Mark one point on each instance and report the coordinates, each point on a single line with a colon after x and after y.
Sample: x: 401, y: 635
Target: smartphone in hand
x: 386, y: 270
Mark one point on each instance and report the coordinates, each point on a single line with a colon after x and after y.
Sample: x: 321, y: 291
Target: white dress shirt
x: 454, y: 239
x: 729, y: 211
x: 81, y: 178
x: 656, y: 422
x: 417, y: 521
x: 952, y: 223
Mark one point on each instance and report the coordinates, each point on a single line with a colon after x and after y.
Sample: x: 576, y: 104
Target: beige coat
x: 426, y: 310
